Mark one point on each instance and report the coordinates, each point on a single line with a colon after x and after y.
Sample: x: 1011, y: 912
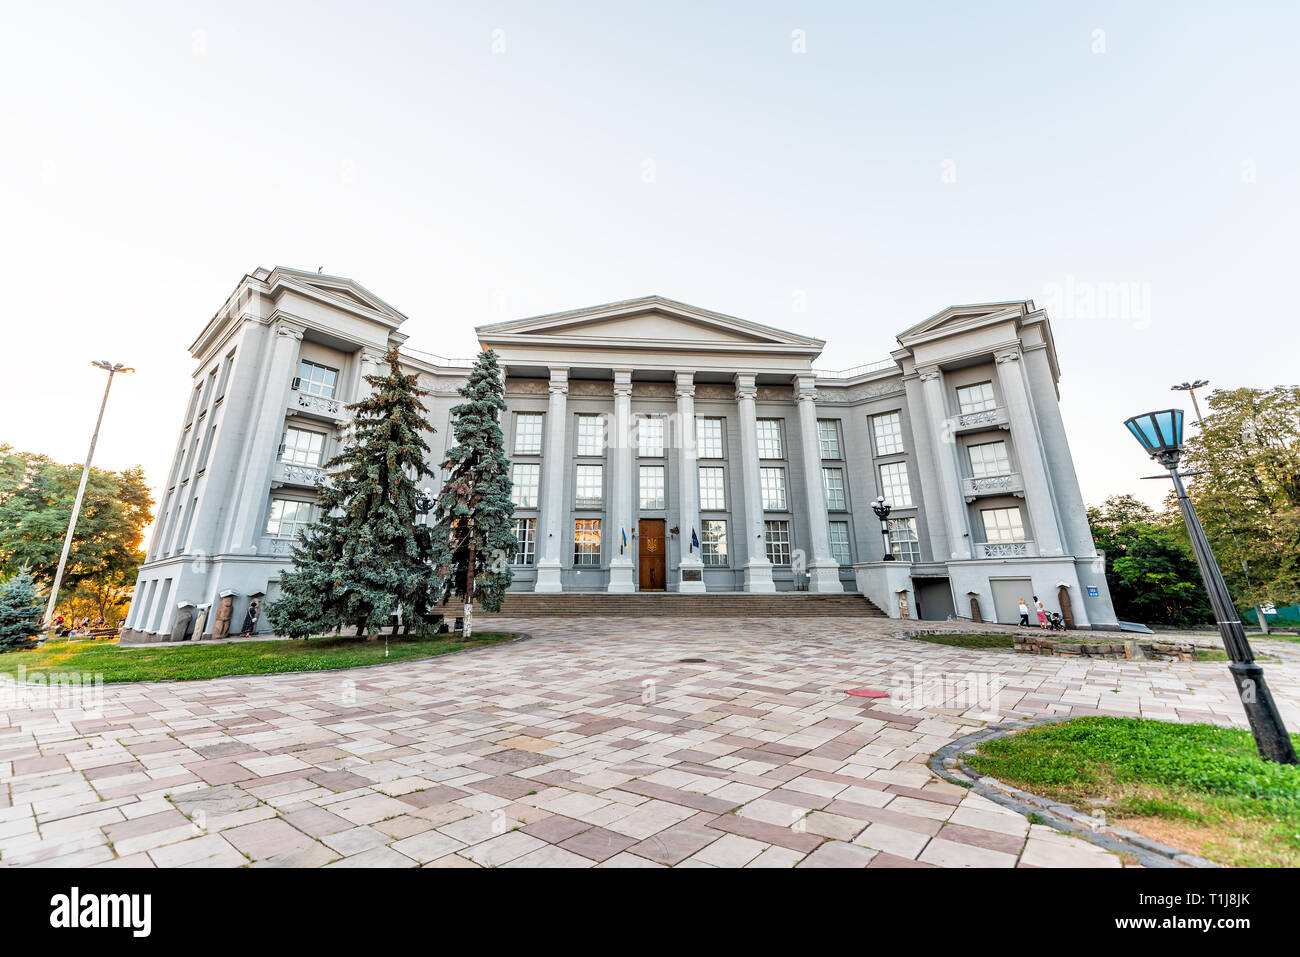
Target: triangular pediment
x: 957, y: 318
x: 337, y: 290
x: 652, y: 319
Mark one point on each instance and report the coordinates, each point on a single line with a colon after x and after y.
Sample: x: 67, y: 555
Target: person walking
x: 1042, y: 613
x: 1024, y: 613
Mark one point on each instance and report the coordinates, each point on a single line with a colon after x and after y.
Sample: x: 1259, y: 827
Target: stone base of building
x: 690, y: 579
x: 622, y: 579
x: 824, y: 577
x: 548, y: 579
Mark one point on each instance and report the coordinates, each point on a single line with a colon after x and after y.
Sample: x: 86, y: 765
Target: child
x: 1024, y: 613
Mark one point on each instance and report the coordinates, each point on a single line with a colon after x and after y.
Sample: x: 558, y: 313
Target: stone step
x: 671, y: 604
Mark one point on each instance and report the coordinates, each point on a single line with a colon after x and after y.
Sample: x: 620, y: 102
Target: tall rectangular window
x: 772, y: 485
x: 840, y: 543
x: 586, y: 542
x: 903, y: 540
x: 525, y: 541
x: 769, y: 439
x: 976, y: 398
x: 888, y: 430
x: 713, y: 488
x: 650, y: 437
x: 708, y: 437
x: 894, y: 485
x: 776, y: 538
x: 652, y: 486
x: 589, y: 481
x: 225, y: 373
x: 525, y: 478
x: 1003, y: 525
x: 828, y: 433
x: 528, y: 433
x: 989, y: 458
x: 833, y: 482
x: 316, y: 379
x: 591, y: 434
x: 207, y: 447
x: 288, y: 518
x: 302, y: 447
x: 713, y: 543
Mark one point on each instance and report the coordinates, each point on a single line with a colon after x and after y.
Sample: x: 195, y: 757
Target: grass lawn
x: 187, y: 662
x: 1197, y: 787
x: 973, y: 639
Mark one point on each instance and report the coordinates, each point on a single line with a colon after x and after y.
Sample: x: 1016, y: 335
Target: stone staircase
x: 673, y: 605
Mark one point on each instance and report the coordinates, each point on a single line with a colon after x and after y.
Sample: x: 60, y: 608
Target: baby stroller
x: 1055, y: 621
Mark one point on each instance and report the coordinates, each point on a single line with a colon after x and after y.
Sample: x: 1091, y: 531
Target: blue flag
x: 624, y: 545
x: 695, y: 542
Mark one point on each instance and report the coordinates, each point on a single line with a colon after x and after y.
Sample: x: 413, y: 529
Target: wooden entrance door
x: 652, y: 554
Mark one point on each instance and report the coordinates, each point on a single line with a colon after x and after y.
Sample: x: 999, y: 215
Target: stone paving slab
x: 591, y: 745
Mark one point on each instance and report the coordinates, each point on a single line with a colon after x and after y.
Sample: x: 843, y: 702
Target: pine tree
x: 366, y: 556
x: 473, y: 536
x: 20, y: 613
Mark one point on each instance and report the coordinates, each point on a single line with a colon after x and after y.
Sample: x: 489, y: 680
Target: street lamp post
x: 882, y: 507
x: 1190, y: 388
x: 1161, y: 435
x: 112, y: 368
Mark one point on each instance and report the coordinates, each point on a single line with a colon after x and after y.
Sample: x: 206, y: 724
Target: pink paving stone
x: 267, y: 838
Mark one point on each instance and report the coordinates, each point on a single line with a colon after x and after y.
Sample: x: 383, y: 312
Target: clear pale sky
x: 472, y: 163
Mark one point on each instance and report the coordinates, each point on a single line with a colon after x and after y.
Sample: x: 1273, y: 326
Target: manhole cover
x: 690, y: 661
x: 868, y: 693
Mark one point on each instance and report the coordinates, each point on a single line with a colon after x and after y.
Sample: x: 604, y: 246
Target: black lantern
x: 1161, y: 436
x: 882, y: 508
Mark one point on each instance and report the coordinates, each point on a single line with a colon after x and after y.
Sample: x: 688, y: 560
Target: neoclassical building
x: 655, y: 446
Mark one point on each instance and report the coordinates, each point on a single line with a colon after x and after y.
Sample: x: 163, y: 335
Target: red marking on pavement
x: 868, y: 693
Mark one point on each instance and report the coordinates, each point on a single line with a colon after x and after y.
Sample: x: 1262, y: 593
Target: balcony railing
x: 986, y: 419
x: 280, y: 547
x: 856, y: 371
x: 317, y: 407
x: 303, y: 476
x: 1006, y: 550
x: 1010, y: 484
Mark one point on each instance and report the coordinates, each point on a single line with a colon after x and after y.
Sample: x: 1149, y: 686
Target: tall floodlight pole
x: 1161, y: 435
x: 1190, y: 388
x: 112, y: 368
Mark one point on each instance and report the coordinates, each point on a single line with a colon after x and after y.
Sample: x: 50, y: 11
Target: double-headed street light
x: 1190, y: 388
x: 112, y: 368
x: 882, y: 507
x: 1161, y: 435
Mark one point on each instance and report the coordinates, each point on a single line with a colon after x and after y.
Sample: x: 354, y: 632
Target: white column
x: 622, y: 573
x: 691, y: 565
x: 823, y: 570
x: 1038, y: 493
x: 758, y: 570
x: 556, y: 471
x: 944, y: 447
x: 260, y: 454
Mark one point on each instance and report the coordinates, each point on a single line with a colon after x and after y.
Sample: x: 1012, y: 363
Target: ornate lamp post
x: 882, y: 508
x: 112, y: 368
x: 1161, y: 435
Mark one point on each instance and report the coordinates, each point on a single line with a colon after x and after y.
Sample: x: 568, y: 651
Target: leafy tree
x: 1150, y: 567
x: 1248, y: 497
x: 20, y: 613
x: 36, y: 497
x: 473, y: 537
x: 366, y: 556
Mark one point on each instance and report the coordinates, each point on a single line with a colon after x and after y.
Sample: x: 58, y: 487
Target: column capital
x: 1006, y: 355
x: 805, y: 388
x: 685, y: 383
x: 559, y: 384
x: 745, y: 386
x: 928, y: 373
x: 289, y: 330
x: 622, y: 381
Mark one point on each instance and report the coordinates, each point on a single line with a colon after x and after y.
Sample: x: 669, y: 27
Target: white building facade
x: 655, y: 446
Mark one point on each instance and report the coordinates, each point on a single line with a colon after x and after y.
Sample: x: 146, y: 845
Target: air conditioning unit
x: 297, y: 380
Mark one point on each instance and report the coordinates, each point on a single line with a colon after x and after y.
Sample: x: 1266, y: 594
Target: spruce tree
x: 473, y: 537
x: 366, y: 556
x: 20, y: 613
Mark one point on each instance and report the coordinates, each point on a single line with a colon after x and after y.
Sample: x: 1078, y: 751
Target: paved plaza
x: 589, y: 744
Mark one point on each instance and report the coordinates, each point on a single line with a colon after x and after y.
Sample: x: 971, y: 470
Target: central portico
x: 622, y: 468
